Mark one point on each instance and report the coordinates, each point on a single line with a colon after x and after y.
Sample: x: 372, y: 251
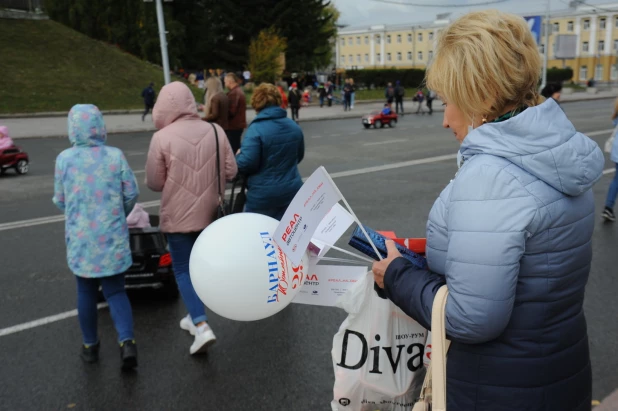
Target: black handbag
x: 237, y: 201
x: 222, y: 207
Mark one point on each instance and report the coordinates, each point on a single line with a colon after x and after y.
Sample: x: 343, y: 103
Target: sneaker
x: 90, y: 353
x: 187, y: 324
x: 204, y: 338
x: 128, y: 354
x: 608, y: 214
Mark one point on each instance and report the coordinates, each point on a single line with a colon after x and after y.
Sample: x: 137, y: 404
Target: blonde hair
x: 265, y: 95
x: 485, y: 62
x: 213, y: 87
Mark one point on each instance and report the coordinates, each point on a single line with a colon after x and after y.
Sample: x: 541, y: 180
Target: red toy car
x: 14, y: 157
x: 377, y: 119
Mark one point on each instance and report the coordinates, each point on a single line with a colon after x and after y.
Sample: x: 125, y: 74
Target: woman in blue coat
x: 271, y: 150
x: 96, y: 190
x: 612, y: 192
x: 511, y: 234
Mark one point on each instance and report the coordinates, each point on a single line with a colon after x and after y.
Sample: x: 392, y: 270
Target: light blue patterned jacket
x: 96, y: 189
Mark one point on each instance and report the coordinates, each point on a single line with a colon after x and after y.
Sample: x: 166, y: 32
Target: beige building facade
x: 594, y: 30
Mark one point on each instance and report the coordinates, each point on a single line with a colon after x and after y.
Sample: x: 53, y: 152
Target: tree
x: 265, y: 56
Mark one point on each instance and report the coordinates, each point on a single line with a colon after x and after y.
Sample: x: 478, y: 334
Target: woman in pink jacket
x: 182, y: 165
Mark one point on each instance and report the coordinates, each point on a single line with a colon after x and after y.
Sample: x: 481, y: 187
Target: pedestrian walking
x: 294, y: 99
x: 400, y: 93
x: 511, y: 235
x: 322, y: 94
x: 149, y: 95
x: 431, y: 96
x: 182, y: 165
x: 389, y: 93
x: 237, y: 110
x: 353, y: 94
x: 330, y: 91
x: 270, y: 153
x: 347, y: 96
x: 96, y: 189
x: 608, y: 213
x: 420, y: 98
x: 216, y: 104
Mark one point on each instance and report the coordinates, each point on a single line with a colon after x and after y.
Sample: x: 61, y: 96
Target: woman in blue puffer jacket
x: 271, y: 150
x: 511, y: 234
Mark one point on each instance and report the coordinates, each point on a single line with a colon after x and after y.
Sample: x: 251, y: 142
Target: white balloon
x: 239, y: 272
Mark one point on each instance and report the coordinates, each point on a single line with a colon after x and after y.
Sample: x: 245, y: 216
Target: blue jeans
x: 613, y: 191
x: 180, y: 246
x: 274, y: 212
x: 352, y: 99
x: 119, y: 307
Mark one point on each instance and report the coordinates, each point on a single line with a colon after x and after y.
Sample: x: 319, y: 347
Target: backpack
x: 400, y: 91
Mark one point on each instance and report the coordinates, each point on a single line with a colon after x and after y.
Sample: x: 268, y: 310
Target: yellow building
x: 594, y: 29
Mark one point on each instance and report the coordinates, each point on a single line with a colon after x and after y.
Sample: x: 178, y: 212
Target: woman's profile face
x: 456, y: 120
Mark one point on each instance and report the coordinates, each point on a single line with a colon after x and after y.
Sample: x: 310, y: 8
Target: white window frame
x: 358, y: 40
x: 430, y: 55
x: 586, y: 24
x: 409, y: 56
x: 388, y: 39
x: 601, y: 46
x: 389, y: 57
x: 409, y: 37
x: 398, y: 38
x: 378, y: 57
x: 420, y: 56
x: 366, y: 39
x: 366, y: 58
x: 430, y: 35
x: 399, y: 56
x: 378, y: 39
x: 351, y: 58
x: 343, y: 41
x: 615, y: 44
x: 614, y: 73
x: 419, y: 37
x: 583, y: 73
x: 598, y: 72
x: 602, y: 23
x: 358, y: 58
x: 585, y: 47
x: 556, y: 28
x: 570, y: 27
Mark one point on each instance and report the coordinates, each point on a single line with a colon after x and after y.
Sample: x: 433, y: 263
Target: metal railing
x: 31, y: 6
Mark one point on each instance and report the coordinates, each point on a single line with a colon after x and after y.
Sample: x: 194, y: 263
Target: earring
x: 484, y: 120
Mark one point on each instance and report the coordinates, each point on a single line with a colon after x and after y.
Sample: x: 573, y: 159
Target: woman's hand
x: 380, y: 267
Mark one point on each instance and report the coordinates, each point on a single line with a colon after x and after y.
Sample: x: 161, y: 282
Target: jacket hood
x: 86, y: 126
x: 175, y: 102
x: 542, y: 141
x: 271, y: 113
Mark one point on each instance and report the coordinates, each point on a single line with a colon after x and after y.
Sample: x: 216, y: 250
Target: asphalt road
x: 281, y: 363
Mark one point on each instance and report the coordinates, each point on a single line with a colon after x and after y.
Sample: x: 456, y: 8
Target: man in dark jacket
x: 389, y: 93
x: 322, y: 94
x: 347, y: 96
x: 149, y: 96
x: 237, y: 110
x: 294, y: 99
x: 400, y: 92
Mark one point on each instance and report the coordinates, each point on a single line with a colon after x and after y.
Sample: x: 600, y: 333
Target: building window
x: 553, y: 48
x: 350, y: 41
x: 409, y: 38
x: 583, y: 73
x: 409, y: 56
x: 342, y: 41
x: 542, y: 49
x: 366, y: 39
x: 398, y: 38
x: 378, y: 39
x: 358, y: 58
x: 615, y: 45
x: 601, y: 45
x: 379, y: 57
x: 430, y: 55
x: 586, y: 24
x: 420, y: 56
x: 420, y: 36
x: 389, y: 57
x: 430, y: 35
x: 598, y: 72
x: 388, y: 39
x: 556, y: 27
x: 358, y: 41
x: 399, y: 56
x: 351, y: 59
x: 585, y: 48
x: 602, y: 24
x: 570, y: 26
x: 366, y: 58
x: 614, y: 74
x: 342, y: 59
x: 616, y: 22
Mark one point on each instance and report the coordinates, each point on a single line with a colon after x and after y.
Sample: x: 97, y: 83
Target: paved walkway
x: 55, y: 124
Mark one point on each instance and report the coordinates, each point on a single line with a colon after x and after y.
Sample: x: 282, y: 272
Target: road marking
x: 379, y: 143
x: 335, y: 135
x: 42, y: 321
x: 316, y: 136
x: 152, y: 204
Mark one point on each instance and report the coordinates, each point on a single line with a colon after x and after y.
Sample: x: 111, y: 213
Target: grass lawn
x: 49, y: 67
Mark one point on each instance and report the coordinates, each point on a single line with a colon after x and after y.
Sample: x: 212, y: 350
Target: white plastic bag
x: 610, y: 142
x: 377, y: 354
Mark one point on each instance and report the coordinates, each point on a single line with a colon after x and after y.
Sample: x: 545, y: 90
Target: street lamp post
x: 163, y: 40
x: 546, y: 48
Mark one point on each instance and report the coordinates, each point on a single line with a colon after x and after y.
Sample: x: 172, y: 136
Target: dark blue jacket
x: 511, y: 237
x: 271, y: 150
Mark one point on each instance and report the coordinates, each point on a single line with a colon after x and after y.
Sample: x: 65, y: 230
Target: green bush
x: 379, y: 78
x: 557, y: 75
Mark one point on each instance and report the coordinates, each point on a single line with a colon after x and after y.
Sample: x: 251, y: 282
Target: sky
x: 372, y: 12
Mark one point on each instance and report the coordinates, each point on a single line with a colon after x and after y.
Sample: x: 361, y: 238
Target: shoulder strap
x: 218, y: 164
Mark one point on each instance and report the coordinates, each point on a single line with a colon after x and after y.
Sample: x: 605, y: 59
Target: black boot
x: 90, y: 353
x: 128, y: 354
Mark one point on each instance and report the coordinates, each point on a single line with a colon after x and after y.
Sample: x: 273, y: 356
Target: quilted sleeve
x: 489, y: 218
x: 58, y: 198
x: 248, y: 159
x: 156, y: 169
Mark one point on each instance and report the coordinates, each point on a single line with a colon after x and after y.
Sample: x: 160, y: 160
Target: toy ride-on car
x: 152, y: 262
x: 15, y: 158
x: 378, y: 120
